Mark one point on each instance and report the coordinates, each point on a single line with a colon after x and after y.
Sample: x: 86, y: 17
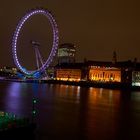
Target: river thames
x: 73, y: 112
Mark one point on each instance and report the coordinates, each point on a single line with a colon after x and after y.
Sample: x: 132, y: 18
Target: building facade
x: 104, y: 74
x: 66, y: 53
x: 100, y: 71
x: 125, y: 73
x: 69, y: 71
x: 68, y: 74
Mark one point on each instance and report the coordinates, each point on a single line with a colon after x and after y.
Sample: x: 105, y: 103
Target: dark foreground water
x: 75, y: 113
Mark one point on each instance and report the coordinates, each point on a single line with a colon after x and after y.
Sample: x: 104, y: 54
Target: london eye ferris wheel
x: 44, y: 65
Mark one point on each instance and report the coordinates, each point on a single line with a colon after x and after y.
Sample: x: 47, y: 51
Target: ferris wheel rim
x: 54, y: 48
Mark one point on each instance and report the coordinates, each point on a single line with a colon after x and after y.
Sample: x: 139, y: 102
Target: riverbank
x: 107, y: 85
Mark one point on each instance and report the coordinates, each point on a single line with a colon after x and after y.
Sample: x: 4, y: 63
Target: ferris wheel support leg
x: 37, y: 62
x: 41, y: 61
x: 39, y: 56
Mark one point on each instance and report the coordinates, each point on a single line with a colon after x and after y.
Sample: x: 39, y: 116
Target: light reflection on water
x: 74, y: 112
x: 12, y: 98
x: 16, y: 99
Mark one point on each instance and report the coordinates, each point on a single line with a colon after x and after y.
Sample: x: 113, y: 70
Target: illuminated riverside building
x: 100, y: 71
x: 69, y: 72
x: 105, y: 74
x: 8, y: 71
x: 136, y: 75
x: 67, y: 69
x: 124, y: 73
x: 136, y: 78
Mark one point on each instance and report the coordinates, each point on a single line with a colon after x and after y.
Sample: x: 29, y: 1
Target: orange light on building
x: 68, y: 74
x: 105, y: 74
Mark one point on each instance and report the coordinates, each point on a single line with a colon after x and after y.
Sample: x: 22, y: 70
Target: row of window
x: 105, y: 76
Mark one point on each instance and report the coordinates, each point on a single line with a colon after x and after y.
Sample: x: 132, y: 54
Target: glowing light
x: 136, y: 84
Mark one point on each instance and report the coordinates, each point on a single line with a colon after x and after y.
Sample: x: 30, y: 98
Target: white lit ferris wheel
x: 44, y: 65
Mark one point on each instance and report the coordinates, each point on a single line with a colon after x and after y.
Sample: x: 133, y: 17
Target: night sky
x: 96, y: 27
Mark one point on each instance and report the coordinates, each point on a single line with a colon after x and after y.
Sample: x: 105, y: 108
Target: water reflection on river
x: 75, y: 113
